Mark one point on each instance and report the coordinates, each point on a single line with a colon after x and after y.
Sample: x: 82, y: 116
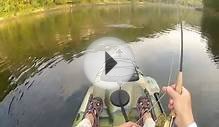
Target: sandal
x: 95, y: 107
x: 143, y: 106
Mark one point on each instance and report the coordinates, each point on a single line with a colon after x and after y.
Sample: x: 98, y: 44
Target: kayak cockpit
x: 112, y: 114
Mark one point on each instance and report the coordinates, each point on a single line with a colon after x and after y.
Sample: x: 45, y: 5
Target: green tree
x: 211, y: 4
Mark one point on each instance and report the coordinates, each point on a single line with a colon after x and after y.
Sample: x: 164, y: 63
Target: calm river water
x: 42, y: 81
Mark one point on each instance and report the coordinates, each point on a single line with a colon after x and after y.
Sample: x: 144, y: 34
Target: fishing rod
x: 179, y: 81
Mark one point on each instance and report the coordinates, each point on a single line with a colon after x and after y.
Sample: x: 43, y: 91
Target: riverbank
x: 31, y: 10
x: 50, y: 8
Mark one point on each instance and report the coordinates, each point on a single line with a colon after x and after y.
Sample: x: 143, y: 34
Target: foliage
x: 12, y: 7
x: 211, y: 4
x: 182, y: 2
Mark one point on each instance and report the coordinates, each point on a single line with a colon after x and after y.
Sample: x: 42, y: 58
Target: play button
x: 109, y: 62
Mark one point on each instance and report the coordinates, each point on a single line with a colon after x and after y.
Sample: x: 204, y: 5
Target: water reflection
x: 42, y: 82
x: 209, y: 21
x: 27, y: 43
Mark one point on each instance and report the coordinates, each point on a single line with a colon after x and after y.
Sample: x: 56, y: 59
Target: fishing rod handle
x: 179, y: 83
x: 178, y: 88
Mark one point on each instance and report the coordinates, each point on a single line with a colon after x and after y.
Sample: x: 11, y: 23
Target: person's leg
x: 92, y: 114
x: 88, y: 121
x: 148, y: 121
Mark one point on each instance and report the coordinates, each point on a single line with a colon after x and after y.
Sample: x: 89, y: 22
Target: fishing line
x: 171, y: 69
x: 168, y: 83
x: 163, y: 95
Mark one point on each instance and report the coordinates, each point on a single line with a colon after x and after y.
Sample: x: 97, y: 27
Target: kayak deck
x: 112, y: 115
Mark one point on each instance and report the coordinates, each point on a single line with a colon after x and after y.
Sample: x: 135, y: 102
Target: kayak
x: 120, y: 105
x: 112, y: 115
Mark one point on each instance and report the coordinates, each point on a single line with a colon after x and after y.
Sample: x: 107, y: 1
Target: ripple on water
x: 24, y: 76
x: 216, y: 60
x: 10, y: 104
x: 124, y: 26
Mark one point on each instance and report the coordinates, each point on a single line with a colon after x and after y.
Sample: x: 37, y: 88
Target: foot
x: 143, y: 107
x: 94, y: 109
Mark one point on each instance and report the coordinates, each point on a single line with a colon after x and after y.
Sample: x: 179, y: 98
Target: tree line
x: 9, y: 7
x: 211, y: 4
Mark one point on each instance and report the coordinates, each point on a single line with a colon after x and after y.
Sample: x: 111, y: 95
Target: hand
x: 181, y: 105
x: 129, y: 124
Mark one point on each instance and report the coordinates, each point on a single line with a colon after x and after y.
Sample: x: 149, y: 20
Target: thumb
x: 171, y: 92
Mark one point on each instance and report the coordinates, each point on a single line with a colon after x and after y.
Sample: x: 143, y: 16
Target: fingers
x: 185, y: 91
x: 135, y: 125
x: 164, y: 89
x: 171, y: 101
x: 170, y: 91
x: 170, y: 105
x: 129, y: 124
x: 173, y: 86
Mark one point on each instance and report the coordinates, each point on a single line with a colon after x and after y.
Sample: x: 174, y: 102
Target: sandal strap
x: 143, y: 105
